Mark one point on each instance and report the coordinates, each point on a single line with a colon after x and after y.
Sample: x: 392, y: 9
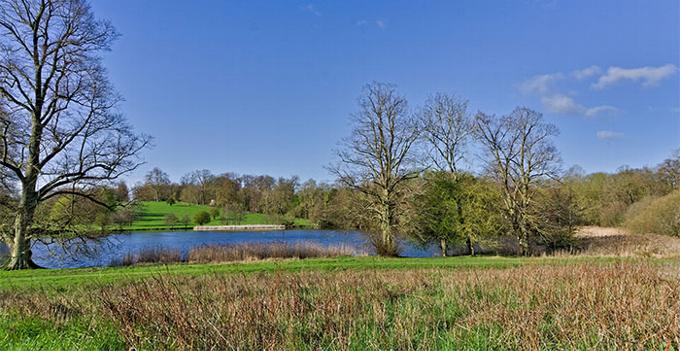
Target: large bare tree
x: 201, y: 179
x: 376, y: 159
x: 159, y: 182
x: 61, y: 131
x: 447, y: 127
x: 520, y: 153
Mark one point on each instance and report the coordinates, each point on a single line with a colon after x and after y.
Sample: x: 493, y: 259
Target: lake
x: 117, y: 246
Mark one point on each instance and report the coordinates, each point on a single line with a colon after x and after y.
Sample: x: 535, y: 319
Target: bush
x: 171, y: 219
x: 280, y: 219
x: 655, y: 215
x: 103, y: 220
x: 202, y: 218
x: 185, y: 219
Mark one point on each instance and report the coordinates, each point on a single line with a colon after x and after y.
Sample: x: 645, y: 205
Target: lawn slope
x: 152, y: 216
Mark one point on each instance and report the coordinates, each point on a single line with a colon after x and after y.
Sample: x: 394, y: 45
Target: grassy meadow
x: 349, y: 303
x: 152, y: 216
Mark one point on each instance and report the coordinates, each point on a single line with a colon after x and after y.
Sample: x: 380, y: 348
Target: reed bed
x: 622, y: 306
x: 148, y: 256
x: 235, y: 252
x: 260, y: 251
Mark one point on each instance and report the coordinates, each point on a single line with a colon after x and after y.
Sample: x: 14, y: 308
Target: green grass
x: 69, y: 278
x: 19, y: 333
x: 153, y: 214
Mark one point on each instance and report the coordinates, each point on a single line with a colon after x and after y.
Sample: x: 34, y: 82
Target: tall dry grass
x: 619, y: 242
x: 259, y: 251
x: 149, y: 255
x: 235, y: 252
x: 623, y: 306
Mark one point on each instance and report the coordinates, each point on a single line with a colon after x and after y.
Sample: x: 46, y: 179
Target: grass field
x: 353, y: 303
x: 152, y: 216
x: 70, y: 278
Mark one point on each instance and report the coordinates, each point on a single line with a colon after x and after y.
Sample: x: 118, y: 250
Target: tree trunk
x: 523, y: 247
x: 386, y: 245
x: 442, y: 245
x: 21, y: 247
x: 470, y: 247
x: 523, y: 240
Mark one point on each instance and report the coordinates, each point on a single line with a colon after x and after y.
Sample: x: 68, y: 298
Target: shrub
x: 202, y: 217
x: 655, y: 215
x: 171, y: 219
x: 280, y: 219
x: 123, y: 217
x: 185, y: 219
x: 102, y: 220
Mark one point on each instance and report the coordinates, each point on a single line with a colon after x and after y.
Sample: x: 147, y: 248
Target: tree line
x: 408, y: 172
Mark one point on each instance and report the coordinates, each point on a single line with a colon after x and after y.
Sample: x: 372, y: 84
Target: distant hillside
x: 152, y: 216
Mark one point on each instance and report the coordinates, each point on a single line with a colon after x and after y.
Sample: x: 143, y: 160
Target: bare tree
x: 159, y: 182
x: 669, y: 170
x: 61, y: 133
x: 201, y: 179
x: 447, y: 127
x: 520, y: 153
x: 377, y: 159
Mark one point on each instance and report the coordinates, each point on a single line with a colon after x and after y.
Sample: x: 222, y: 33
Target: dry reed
x: 259, y: 251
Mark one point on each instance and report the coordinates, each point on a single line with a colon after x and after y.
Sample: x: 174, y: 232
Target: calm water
x: 118, y: 245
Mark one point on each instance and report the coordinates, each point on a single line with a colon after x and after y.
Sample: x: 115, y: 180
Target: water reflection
x: 102, y: 252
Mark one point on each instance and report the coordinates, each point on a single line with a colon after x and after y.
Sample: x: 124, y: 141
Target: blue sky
x: 268, y: 86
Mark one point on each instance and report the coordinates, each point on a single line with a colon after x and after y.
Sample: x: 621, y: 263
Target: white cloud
x: 598, y: 110
x: 608, y: 135
x: 540, y: 84
x: 312, y: 9
x: 649, y: 76
x: 587, y: 72
x: 559, y: 103
x: 379, y: 23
